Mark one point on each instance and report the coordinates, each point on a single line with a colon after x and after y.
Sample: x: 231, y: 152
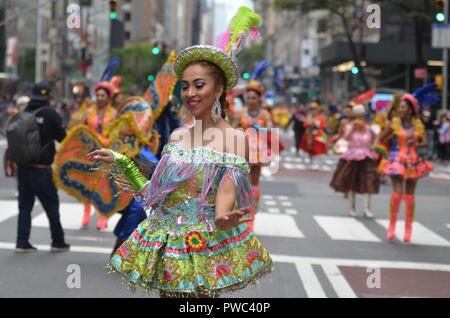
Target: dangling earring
x: 216, y: 111
x: 184, y: 114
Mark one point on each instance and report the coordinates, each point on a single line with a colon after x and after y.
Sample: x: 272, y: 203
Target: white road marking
x: 286, y: 204
x: 273, y: 210
x: 271, y: 203
x: 292, y: 211
x: 360, y: 263
x: 283, y: 197
x: 71, y: 215
x: 268, y: 197
x: 312, y: 286
x: 8, y: 209
x: 78, y: 249
x: 338, y: 281
x: 345, y: 228
x: 277, y: 225
x: 421, y: 235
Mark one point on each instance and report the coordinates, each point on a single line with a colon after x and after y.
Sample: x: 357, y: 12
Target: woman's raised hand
x: 104, y: 155
x: 232, y: 219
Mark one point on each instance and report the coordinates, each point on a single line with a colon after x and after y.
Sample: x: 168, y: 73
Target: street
x: 318, y: 250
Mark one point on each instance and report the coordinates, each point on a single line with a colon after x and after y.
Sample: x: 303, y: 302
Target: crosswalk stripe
x: 70, y: 216
x: 338, y: 281
x: 292, y: 211
x: 421, y: 235
x: 312, y: 286
x: 345, y: 228
x: 79, y: 249
x: 8, y: 209
x: 278, y: 225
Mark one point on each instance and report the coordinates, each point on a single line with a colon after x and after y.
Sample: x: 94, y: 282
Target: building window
x: 127, y: 16
x: 127, y: 36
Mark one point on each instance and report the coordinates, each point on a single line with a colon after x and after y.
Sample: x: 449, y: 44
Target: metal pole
x: 38, y: 73
x: 445, y: 67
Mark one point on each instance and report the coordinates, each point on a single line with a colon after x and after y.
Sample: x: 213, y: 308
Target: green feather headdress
x: 245, y: 20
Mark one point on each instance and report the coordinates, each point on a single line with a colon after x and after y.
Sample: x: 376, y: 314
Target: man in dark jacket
x: 35, y: 178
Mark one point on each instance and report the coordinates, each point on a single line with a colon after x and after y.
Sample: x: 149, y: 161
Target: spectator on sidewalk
x: 298, y: 118
x: 428, y: 120
x: 35, y: 178
x: 444, y: 137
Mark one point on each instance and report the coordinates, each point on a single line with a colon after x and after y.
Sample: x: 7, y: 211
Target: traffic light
x: 156, y: 50
x: 150, y: 78
x: 245, y: 75
x: 113, y: 9
x: 438, y: 79
x: 355, y: 70
x: 440, y: 10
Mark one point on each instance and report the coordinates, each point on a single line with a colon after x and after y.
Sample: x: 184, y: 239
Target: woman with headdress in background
x: 257, y: 118
x: 98, y: 117
x: 404, y: 165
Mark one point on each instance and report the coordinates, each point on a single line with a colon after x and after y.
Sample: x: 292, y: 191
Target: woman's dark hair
x: 220, y: 79
x: 411, y: 107
x: 105, y: 90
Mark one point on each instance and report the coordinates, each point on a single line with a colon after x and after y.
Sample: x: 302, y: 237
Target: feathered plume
x: 244, y: 21
x: 110, y: 69
x: 425, y: 95
x: 259, y: 69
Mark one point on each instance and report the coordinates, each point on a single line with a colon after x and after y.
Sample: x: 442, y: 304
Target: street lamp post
x: 445, y: 67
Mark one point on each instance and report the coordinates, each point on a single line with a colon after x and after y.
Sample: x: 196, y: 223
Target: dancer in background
x: 98, y: 117
x: 356, y: 172
x: 256, y: 117
x: 313, y: 141
x: 404, y: 164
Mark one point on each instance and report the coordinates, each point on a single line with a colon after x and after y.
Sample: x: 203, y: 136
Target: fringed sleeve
x: 244, y: 196
x: 127, y: 174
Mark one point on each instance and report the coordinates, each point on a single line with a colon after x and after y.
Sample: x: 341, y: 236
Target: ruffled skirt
x: 191, y: 264
x: 317, y: 147
x: 412, y: 167
x: 358, y: 176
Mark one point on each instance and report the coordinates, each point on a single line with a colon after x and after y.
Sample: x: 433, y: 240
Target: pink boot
x: 410, y: 203
x: 396, y: 199
x: 102, y: 223
x: 87, y: 215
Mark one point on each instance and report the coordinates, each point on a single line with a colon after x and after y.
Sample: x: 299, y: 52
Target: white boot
x: 367, y: 213
x: 352, y: 198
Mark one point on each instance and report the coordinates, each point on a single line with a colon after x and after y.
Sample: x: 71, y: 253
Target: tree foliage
x: 136, y: 63
x: 249, y: 57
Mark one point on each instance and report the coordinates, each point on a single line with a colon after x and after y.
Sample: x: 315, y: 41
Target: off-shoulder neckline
x: 176, y: 144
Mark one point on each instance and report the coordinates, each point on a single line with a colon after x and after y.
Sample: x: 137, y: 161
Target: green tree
x: 249, y: 57
x: 137, y: 62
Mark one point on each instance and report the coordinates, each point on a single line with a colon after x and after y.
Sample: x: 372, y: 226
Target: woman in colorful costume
x: 313, y: 141
x: 404, y: 164
x: 256, y: 117
x: 356, y: 171
x: 99, y: 117
x: 195, y: 242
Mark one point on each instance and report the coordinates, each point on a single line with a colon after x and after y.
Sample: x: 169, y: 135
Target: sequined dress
x: 404, y: 161
x: 177, y: 249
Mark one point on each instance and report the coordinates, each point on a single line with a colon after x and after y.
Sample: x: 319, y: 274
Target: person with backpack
x: 31, y: 138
